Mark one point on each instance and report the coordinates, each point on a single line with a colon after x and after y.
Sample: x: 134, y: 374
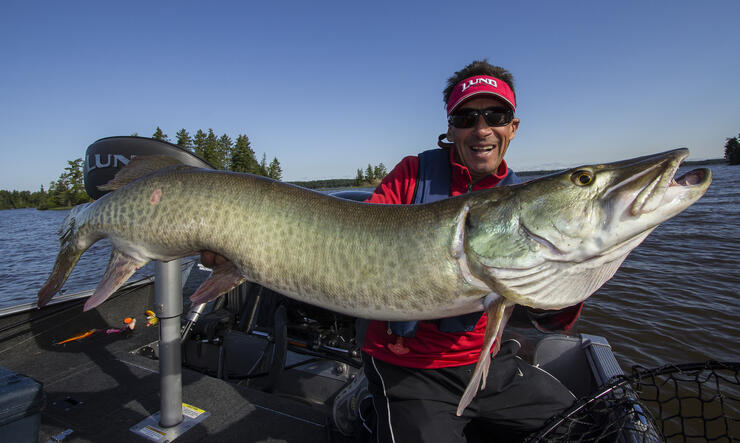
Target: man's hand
x: 210, y: 259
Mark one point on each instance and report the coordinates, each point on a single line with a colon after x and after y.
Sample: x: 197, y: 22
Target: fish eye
x: 582, y: 178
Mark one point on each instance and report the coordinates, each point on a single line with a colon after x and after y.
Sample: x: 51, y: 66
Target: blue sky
x: 328, y: 87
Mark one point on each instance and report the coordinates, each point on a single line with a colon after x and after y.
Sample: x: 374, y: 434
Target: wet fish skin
x: 549, y: 243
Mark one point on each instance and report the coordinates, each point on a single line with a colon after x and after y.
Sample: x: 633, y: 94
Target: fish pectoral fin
x: 225, y: 277
x: 120, y: 268
x: 497, y: 313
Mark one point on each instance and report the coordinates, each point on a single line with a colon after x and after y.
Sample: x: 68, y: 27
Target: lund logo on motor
x: 99, y: 161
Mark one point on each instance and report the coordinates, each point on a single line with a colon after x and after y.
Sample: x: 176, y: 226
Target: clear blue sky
x: 328, y: 87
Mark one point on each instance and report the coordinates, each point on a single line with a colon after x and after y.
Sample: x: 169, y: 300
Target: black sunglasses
x: 467, y: 118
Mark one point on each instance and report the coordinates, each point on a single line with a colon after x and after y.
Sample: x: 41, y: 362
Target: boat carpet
x: 99, y: 387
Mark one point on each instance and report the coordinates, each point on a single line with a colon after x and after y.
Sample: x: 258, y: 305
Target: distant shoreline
x: 345, y: 183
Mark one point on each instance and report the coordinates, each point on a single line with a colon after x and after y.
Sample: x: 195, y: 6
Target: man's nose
x: 481, y: 126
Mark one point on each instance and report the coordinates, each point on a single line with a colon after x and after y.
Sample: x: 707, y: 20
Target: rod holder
x: 168, y: 307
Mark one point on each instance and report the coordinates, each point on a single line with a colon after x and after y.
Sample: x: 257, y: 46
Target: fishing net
x: 693, y: 402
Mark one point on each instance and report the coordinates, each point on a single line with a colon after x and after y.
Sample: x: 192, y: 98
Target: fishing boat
x: 252, y: 365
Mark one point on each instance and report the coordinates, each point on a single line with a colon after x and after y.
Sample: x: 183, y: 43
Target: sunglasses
x: 467, y: 118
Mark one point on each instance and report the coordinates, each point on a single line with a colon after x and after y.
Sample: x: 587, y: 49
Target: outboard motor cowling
x: 105, y: 157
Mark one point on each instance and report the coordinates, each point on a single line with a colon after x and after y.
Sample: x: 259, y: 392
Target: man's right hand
x: 210, y: 259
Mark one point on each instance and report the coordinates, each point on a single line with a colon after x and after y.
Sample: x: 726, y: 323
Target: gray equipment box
x: 21, y: 401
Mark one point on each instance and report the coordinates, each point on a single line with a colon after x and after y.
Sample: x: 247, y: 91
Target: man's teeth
x: 481, y: 148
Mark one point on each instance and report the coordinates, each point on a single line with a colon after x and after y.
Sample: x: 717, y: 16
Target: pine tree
x: 225, y: 147
x: 184, y: 141
x: 369, y: 177
x: 732, y: 150
x: 199, y: 144
x: 243, y: 157
x: 159, y: 135
x: 359, y: 179
x: 274, y: 171
x: 211, y: 150
x: 379, y: 172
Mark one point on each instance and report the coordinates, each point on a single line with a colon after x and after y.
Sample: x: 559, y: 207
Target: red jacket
x: 431, y: 348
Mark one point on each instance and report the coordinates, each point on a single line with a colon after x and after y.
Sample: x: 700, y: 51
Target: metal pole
x: 168, y: 304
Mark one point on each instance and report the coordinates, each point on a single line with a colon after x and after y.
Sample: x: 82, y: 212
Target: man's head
x: 480, y: 103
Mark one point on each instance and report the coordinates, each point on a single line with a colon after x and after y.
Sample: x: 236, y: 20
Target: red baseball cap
x: 479, y: 85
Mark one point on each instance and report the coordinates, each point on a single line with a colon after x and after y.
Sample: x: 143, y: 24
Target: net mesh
x: 693, y: 402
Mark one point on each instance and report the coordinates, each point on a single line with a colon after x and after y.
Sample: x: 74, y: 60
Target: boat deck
x: 100, y: 387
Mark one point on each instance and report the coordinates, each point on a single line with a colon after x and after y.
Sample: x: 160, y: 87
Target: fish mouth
x: 692, y: 178
x: 667, y: 190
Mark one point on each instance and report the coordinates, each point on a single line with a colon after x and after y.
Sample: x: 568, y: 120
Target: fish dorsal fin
x: 141, y: 167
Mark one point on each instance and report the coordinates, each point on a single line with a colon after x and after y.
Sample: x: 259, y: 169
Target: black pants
x: 419, y: 405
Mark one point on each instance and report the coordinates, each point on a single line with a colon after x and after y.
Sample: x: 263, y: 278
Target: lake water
x: 675, y: 299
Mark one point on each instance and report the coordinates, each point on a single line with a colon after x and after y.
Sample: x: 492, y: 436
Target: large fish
x: 548, y: 243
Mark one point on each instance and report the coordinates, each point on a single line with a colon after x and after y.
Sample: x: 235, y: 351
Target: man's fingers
x: 211, y: 259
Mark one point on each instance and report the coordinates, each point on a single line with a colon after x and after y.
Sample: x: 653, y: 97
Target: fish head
x: 567, y: 233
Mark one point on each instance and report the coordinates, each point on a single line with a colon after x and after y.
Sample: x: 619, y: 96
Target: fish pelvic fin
x: 120, y: 268
x: 69, y: 254
x: 497, y: 313
x: 225, y: 277
x: 140, y: 167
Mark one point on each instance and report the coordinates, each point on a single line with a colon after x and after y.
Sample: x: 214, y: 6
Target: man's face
x: 482, y: 147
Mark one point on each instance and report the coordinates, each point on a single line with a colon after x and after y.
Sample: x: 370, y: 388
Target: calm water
x: 675, y: 299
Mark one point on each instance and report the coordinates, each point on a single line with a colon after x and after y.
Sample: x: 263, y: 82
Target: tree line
x: 223, y: 152
x: 67, y: 191
x: 371, y: 175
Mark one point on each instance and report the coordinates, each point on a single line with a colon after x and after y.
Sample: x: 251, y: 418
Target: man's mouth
x: 487, y: 148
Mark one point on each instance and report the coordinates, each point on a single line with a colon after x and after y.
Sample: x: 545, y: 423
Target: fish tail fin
x: 498, y: 313
x: 225, y: 277
x: 70, y: 251
x: 120, y: 268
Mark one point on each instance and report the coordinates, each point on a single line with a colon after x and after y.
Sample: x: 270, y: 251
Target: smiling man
x: 417, y: 371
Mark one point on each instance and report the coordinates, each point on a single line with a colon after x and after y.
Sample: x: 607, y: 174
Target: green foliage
x: 732, y: 150
x: 221, y: 152
x: 379, y: 172
x: 159, y: 135
x: 184, y: 140
x: 199, y: 143
x: 274, y: 171
x: 21, y: 199
x: 211, y: 150
x: 371, y: 176
x: 224, y: 153
x: 243, y: 157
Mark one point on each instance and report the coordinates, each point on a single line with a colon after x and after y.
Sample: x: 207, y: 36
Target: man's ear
x: 514, y: 128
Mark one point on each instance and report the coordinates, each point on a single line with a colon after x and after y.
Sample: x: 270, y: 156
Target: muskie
x: 548, y: 244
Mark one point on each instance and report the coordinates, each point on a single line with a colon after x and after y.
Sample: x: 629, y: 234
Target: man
x: 417, y: 371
